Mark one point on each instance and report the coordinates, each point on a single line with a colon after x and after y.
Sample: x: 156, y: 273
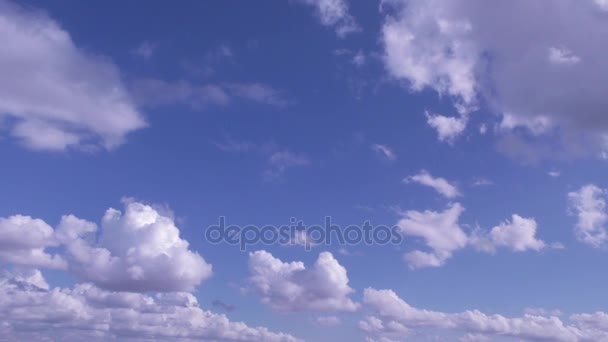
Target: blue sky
x: 476, y: 129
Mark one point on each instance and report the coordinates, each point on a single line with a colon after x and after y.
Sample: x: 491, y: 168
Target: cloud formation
x: 395, y: 319
x: 442, y: 233
x: 589, y: 205
x: 334, y: 13
x: 539, y: 77
x: 290, y: 286
x: 139, y: 250
x: 438, y: 184
x: 384, y: 151
x: 31, y: 310
x: 57, y: 95
x: 23, y: 241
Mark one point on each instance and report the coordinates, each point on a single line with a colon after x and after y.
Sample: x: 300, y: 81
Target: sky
x: 475, y: 132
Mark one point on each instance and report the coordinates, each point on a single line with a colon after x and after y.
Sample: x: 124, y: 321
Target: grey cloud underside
x: 543, y: 76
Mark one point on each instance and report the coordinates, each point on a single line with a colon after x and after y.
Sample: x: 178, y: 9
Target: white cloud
x: 385, y: 151
x: 519, y: 235
x: 554, y: 173
x: 448, y: 128
x: 58, y: 95
x: 335, y: 13
x: 428, y: 49
x: 440, y: 232
x: 542, y: 312
x: 390, y: 310
x: 140, y: 250
x: 443, y: 235
x: 589, y: 204
x: 541, y: 73
x: 602, y: 4
x: 23, y: 241
x: 439, y: 184
x: 293, y: 287
x: 31, y: 310
x: 562, y: 56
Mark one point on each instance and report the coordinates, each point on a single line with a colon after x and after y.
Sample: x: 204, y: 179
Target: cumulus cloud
x: 138, y: 250
x: 290, y: 286
x: 519, y: 235
x: 335, y: 13
x: 537, y: 76
x: 442, y: 233
x: 448, y: 128
x: 589, y: 205
x: 427, y: 49
x: 23, y: 241
x: 31, y: 310
x: 438, y: 184
x: 56, y: 95
x: 390, y: 311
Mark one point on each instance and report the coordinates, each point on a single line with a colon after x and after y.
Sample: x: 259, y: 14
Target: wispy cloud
x: 279, y: 158
x: 439, y: 184
x: 384, y: 151
x: 335, y: 13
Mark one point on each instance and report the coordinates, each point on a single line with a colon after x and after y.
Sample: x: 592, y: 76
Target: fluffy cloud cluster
x: 589, y: 205
x: 539, y: 75
x: 443, y: 235
x: 293, y: 287
x: 140, y: 250
x: 519, y: 235
x: 31, y: 310
x: 334, y: 13
x: 132, y: 252
x: 394, y: 319
x: 23, y: 241
x: 56, y: 95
